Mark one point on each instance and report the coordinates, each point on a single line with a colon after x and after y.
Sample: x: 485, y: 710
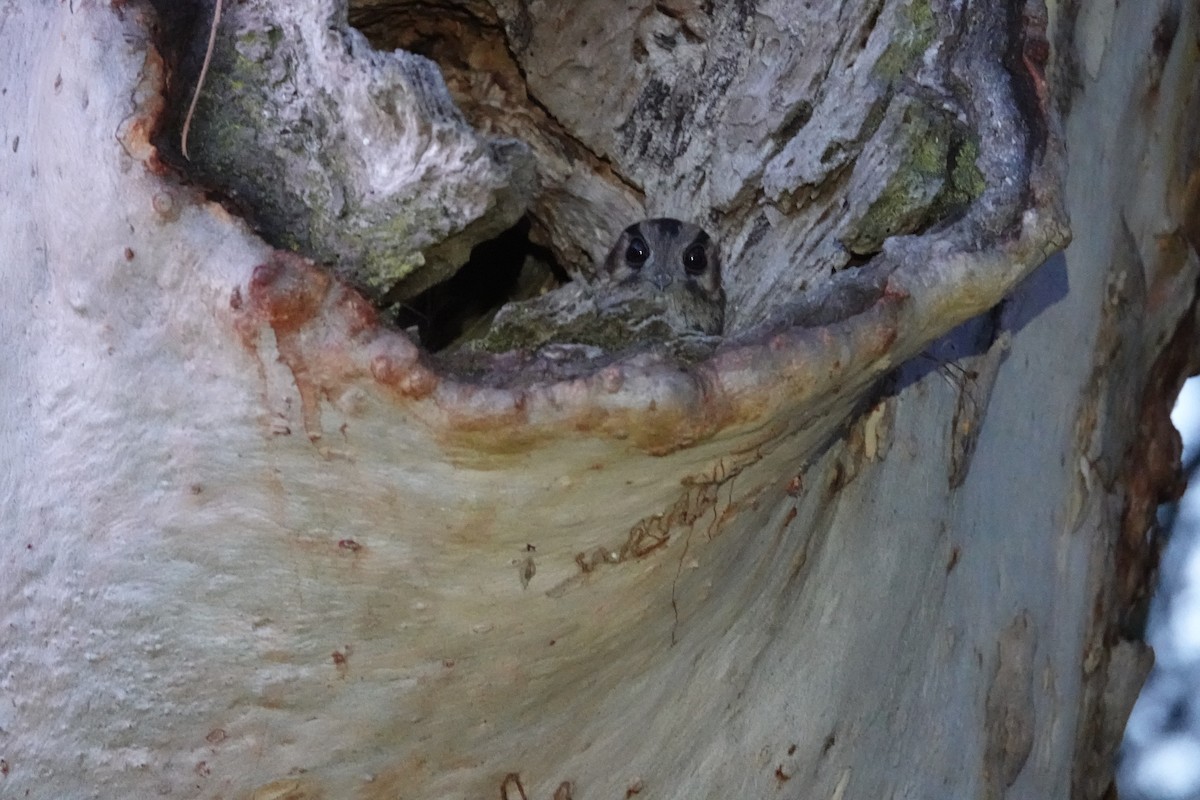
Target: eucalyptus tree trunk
x: 891, y: 535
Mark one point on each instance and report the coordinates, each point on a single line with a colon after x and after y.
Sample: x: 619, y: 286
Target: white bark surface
x: 253, y: 547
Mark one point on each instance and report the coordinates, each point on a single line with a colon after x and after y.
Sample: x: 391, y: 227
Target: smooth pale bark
x: 254, y: 547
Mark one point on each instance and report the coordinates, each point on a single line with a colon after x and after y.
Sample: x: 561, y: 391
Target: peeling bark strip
x: 511, y: 788
x: 976, y: 378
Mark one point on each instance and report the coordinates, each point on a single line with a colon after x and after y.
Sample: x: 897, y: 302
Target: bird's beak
x: 660, y: 280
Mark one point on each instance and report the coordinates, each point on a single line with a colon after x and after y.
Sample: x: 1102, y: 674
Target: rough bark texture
x: 257, y: 546
x: 356, y: 157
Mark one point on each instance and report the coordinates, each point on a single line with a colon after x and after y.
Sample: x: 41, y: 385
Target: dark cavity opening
x: 501, y: 270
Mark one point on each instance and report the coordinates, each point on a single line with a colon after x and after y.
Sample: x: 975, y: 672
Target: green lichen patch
x: 914, y: 32
x: 966, y: 179
x: 931, y: 176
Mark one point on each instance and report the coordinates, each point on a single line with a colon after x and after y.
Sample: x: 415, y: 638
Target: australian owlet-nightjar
x: 661, y: 282
x: 679, y: 262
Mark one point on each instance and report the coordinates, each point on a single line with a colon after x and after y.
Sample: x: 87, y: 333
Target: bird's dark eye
x: 695, y: 261
x: 637, y: 253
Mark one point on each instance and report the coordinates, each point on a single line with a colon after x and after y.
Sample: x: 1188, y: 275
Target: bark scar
x: 1010, y: 715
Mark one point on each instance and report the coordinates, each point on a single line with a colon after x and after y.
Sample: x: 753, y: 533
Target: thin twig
x: 212, y: 38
